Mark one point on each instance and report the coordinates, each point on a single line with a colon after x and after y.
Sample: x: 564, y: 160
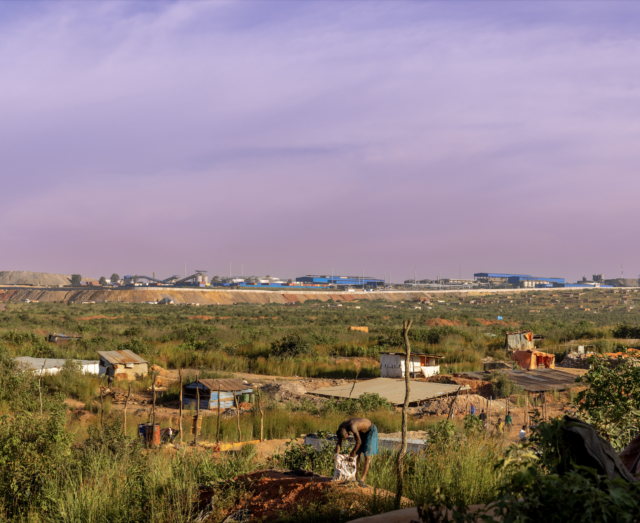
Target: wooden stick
x: 450, y: 415
x: 40, y: 384
x: 126, y: 402
x: 153, y: 410
x: 355, y: 380
x: 261, y: 415
x: 180, y: 419
x: 218, y: 420
x: 101, y: 411
x: 407, y: 380
x: 195, y: 437
x: 235, y: 397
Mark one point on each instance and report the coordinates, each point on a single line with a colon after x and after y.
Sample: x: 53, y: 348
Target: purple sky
x: 298, y: 137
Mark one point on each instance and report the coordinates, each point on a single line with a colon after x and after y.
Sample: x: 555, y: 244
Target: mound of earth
x: 271, y: 493
x: 35, y: 278
x: 441, y: 322
x: 484, y: 388
x: 462, y: 405
x: 285, y: 390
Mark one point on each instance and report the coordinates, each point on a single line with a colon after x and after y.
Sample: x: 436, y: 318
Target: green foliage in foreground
x: 611, y: 403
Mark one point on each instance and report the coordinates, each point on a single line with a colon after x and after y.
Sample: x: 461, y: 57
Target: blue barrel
x: 142, y: 431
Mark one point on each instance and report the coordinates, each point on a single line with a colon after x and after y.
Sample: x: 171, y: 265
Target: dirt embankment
x: 35, y: 278
x: 186, y: 296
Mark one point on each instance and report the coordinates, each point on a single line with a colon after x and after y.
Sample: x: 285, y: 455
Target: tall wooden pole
x: 40, y: 384
x: 235, y: 397
x: 195, y: 437
x: 153, y: 411
x: 261, y: 415
x: 218, y: 420
x: 180, y: 418
x: 124, y: 411
x: 407, y: 380
x: 101, y: 411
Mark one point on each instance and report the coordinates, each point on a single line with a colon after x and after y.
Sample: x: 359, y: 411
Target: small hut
x: 392, y: 364
x: 122, y: 364
x: 209, y: 393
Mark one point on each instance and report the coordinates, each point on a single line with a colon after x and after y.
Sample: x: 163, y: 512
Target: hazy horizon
x: 300, y: 138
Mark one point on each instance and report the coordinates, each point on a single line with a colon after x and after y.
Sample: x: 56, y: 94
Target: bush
x: 292, y: 345
x: 502, y: 386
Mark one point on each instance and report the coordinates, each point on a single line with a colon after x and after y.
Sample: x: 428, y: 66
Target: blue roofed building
x: 342, y: 281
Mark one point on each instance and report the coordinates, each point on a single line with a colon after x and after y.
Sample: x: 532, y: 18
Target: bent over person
x: 365, y: 434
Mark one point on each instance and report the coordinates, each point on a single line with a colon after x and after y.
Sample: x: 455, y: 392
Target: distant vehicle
x: 498, y: 317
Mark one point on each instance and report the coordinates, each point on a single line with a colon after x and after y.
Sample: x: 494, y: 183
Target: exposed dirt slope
x: 187, y: 296
x: 35, y: 278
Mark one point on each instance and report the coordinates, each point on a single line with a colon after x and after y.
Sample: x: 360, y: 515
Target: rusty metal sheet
x: 536, y: 380
x: 116, y: 357
x: 391, y: 389
x: 227, y: 385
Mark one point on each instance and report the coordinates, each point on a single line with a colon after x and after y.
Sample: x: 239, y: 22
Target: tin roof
x: 120, y: 356
x: 391, y: 389
x: 228, y: 385
x: 535, y: 380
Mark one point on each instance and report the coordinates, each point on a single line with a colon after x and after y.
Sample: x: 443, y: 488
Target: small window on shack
x: 128, y: 366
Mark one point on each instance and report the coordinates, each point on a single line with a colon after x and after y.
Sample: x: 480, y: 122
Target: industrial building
x: 519, y: 280
x: 342, y: 281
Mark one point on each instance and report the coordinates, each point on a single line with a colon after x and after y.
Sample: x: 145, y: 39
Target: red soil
x: 100, y: 317
x: 202, y: 317
x: 440, y: 322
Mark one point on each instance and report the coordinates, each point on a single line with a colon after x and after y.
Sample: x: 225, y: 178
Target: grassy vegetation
x: 57, y: 468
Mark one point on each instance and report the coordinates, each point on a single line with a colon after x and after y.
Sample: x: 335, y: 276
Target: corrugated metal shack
x: 209, y: 393
x: 519, y: 340
x: 122, y: 364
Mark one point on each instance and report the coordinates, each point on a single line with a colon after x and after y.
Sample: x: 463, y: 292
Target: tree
x: 612, y: 402
x: 115, y: 278
x: 76, y: 279
x: 103, y: 280
x: 215, y: 279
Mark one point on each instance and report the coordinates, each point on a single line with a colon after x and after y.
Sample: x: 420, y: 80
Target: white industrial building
x: 392, y: 365
x: 53, y: 366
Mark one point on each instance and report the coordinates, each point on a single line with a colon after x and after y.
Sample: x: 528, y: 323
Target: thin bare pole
x: 40, y: 384
x: 180, y: 418
x: 218, y: 420
x: 124, y: 420
x: 101, y: 411
x: 153, y: 410
x: 195, y: 437
x: 405, y: 408
x: 235, y: 397
x: 261, y: 415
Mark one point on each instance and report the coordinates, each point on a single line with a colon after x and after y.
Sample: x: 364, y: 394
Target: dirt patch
x: 285, y: 390
x: 99, y: 317
x: 202, y: 317
x: 495, y: 322
x: 461, y: 406
x: 441, y: 322
x: 483, y: 388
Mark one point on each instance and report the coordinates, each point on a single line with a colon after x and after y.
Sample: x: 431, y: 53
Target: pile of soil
x: 285, y: 390
x: 311, y: 384
x: 483, y: 388
x: 462, y: 405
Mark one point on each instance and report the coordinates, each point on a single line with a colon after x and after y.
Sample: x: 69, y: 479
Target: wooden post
x: 195, y: 437
x: 526, y: 409
x: 261, y: 415
x: 450, y: 416
x: 40, y: 384
x: 218, y: 420
x: 490, y: 400
x: 101, y: 411
x: 153, y: 410
x: 124, y: 421
x: 235, y: 398
x: 355, y: 380
x: 407, y: 380
x: 180, y: 419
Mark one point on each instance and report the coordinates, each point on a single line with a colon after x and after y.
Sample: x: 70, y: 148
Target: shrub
x: 291, y: 345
